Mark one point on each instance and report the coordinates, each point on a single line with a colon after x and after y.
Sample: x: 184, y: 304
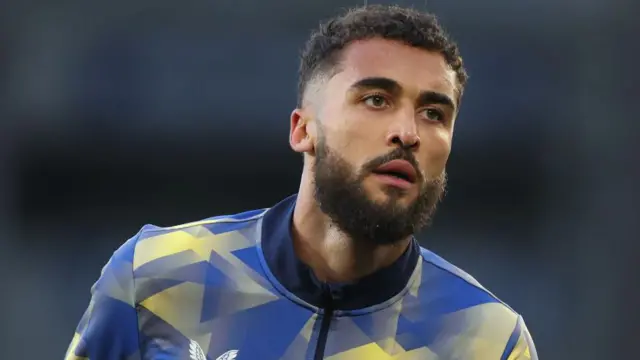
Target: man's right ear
x: 301, y: 137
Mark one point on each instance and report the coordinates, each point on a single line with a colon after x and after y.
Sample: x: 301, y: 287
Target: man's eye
x: 434, y: 115
x: 376, y: 101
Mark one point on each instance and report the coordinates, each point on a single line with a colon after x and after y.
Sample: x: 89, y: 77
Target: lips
x: 400, y: 169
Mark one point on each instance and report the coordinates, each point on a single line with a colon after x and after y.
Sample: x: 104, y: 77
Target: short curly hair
x: 322, y: 51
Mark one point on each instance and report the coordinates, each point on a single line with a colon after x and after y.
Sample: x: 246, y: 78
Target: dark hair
x: 412, y: 27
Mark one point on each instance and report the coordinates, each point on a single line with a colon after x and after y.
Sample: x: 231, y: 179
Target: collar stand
x: 298, y: 278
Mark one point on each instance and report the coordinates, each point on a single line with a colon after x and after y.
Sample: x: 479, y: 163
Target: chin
x: 387, y: 194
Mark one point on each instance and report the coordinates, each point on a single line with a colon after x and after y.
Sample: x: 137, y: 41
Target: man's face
x: 382, y: 135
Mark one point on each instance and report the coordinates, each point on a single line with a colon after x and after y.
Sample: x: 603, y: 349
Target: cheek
x: 355, y: 138
x: 436, y: 148
x: 351, y: 146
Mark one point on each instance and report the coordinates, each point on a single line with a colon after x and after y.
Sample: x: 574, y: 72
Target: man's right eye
x: 376, y: 101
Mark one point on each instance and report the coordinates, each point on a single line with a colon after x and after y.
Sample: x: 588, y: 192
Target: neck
x: 332, y: 255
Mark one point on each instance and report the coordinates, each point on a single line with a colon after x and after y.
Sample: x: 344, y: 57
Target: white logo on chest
x: 196, y: 353
x: 229, y: 355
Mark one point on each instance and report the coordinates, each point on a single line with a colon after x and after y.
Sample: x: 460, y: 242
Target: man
x: 333, y: 272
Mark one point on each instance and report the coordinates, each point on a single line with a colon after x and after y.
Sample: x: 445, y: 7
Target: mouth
x: 398, y: 169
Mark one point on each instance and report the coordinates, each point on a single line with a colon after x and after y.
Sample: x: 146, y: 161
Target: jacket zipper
x: 324, y: 328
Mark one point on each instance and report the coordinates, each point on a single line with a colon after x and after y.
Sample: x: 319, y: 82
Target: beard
x: 340, y: 194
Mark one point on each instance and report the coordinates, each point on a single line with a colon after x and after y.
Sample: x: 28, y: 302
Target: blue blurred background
x: 116, y: 113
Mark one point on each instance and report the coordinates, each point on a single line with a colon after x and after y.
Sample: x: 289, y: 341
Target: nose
x: 404, y: 133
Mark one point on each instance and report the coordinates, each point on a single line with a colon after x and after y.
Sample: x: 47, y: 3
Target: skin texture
x: 407, y: 101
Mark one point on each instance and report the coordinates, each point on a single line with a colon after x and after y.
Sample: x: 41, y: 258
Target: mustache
x: 396, y: 154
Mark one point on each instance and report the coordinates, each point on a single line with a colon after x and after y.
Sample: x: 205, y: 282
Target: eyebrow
x: 391, y: 86
x: 432, y: 97
x: 381, y: 83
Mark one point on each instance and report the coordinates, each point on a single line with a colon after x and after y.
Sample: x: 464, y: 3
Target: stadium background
x: 120, y: 113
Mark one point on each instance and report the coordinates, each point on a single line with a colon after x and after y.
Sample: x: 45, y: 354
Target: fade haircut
x: 322, y: 52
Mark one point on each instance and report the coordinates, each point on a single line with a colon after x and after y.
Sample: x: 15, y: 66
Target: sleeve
x: 108, y: 329
x: 520, y: 345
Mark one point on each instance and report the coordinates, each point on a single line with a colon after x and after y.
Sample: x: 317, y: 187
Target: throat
x: 343, y: 265
x: 333, y: 256
x: 338, y: 259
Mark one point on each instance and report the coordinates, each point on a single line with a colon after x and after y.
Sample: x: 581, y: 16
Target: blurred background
x: 115, y: 114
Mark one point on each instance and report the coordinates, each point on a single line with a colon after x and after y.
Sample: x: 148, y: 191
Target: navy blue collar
x: 298, y: 278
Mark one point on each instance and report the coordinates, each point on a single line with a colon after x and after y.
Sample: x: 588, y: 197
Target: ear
x: 300, y: 133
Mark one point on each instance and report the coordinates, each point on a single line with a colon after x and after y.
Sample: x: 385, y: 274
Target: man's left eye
x: 433, y: 114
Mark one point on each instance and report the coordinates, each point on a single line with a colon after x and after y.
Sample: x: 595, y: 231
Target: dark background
x: 114, y: 114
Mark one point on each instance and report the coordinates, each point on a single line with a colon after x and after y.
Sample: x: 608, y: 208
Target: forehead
x: 413, y: 68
